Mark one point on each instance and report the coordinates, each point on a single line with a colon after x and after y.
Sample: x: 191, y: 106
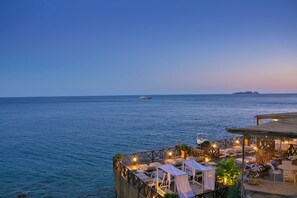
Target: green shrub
x: 173, y: 195
x: 184, y: 147
x: 227, y: 172
x: 205, y: 144
x: 118, y: 156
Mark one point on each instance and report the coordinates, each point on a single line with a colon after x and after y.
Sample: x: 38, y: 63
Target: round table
x: 291, y: 168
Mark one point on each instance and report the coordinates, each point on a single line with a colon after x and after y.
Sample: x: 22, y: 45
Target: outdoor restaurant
x: 260, y: 161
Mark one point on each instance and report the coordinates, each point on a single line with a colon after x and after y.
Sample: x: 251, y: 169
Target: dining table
x: 292, y: 168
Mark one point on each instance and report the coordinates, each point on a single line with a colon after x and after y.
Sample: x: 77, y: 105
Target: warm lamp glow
x: 170, y: 153
x: 237, y: 141
x: 214, y: 145
x: 225, y: 180
x: 134, y: 159
x: 286, y: 142
x: 207, y: 159
x: 274, y: 120
x: 255, y: 148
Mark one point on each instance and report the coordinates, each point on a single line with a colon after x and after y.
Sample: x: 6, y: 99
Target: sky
x: 106, y: 47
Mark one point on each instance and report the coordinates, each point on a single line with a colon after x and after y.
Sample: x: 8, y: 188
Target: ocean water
x: 63, y: 146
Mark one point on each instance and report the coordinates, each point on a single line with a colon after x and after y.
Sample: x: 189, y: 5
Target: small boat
x: 145, y: 97
x: 200, y: 139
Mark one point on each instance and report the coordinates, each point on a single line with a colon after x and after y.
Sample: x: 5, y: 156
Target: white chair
x: 191, y: 158
x: 274, y: 172
x: 143, y: 167
x: 289, y: 175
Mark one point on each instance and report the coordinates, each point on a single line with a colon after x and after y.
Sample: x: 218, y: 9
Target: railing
x: 150, y: 156
x: 146, y: 190
x: 226, y: 143
x: 142, y: 187
x: 230, y: 142
x: 219, y: 192
x: 158, y: 155
x: 196, y: 152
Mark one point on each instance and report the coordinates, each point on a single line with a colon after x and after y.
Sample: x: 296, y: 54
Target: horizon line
x: 121, y: 95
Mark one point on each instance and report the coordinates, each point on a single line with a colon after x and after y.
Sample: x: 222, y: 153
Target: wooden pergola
x: 281, y: 125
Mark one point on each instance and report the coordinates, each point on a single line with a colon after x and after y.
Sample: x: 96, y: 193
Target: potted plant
x: 205, y: 144
x: 227, y: 172
x: 118, y: 157
x: 233, y: 192
x: 171, y: 195
x: 184, y: 150
x: 247, y: 140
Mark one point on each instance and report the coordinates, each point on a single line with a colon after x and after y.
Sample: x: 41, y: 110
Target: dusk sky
x: 60, y: 47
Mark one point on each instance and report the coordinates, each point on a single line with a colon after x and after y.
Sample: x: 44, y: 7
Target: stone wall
x: 123, y: 188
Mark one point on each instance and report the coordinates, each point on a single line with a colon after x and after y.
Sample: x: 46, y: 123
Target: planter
x: 184, y: 154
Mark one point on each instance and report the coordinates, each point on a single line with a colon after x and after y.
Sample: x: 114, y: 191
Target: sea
x: 63, y: 146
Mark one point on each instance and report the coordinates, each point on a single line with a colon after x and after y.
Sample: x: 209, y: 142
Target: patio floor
x: 277, y: 188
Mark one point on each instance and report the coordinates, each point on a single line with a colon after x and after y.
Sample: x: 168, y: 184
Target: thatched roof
x: 286, y: 126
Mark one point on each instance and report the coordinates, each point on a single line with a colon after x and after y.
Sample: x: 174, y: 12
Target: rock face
x: 247, y: 92
x: 22, y: 195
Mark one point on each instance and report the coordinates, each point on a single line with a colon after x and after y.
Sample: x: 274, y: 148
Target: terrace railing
x: 150, y: 156
x: 230, y: 142
x: 148, y: 191
x: 158, y: 155
x: 142, y: 187
x: 219, y: 192
x: 214, y: 150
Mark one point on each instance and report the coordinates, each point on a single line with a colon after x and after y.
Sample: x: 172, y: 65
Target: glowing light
x: 286, y: 142
x: 170, y: 153
x: 237, y: 141
x: 134, y: 159
x: 225, y: 180
x: 255, y: 148
x: 274, y: 120
x: 214, y: 145
x: 207, y: 159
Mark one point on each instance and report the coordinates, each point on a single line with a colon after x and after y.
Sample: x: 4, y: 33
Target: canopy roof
x: 277, y: 116
x: 286, y: 126
x: 172, y: 170
x: 196, y: 166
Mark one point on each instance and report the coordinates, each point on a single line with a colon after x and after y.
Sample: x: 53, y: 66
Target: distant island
x: 247, y: 92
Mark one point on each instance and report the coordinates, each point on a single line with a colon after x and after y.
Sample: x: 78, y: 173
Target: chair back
x: 271, y: 166
x: 288, y: 173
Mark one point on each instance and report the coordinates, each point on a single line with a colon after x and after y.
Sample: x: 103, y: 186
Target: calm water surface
x: 63, y: 146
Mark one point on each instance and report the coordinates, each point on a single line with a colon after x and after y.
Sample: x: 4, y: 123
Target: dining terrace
x: 273, y: 170
x: 160, y: 172
x: 265, y: 154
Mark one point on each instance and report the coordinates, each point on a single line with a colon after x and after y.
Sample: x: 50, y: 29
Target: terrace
x: 142, y: 172
x: 165, y: 171
x: 265, y: 153
x: 273, y: 171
